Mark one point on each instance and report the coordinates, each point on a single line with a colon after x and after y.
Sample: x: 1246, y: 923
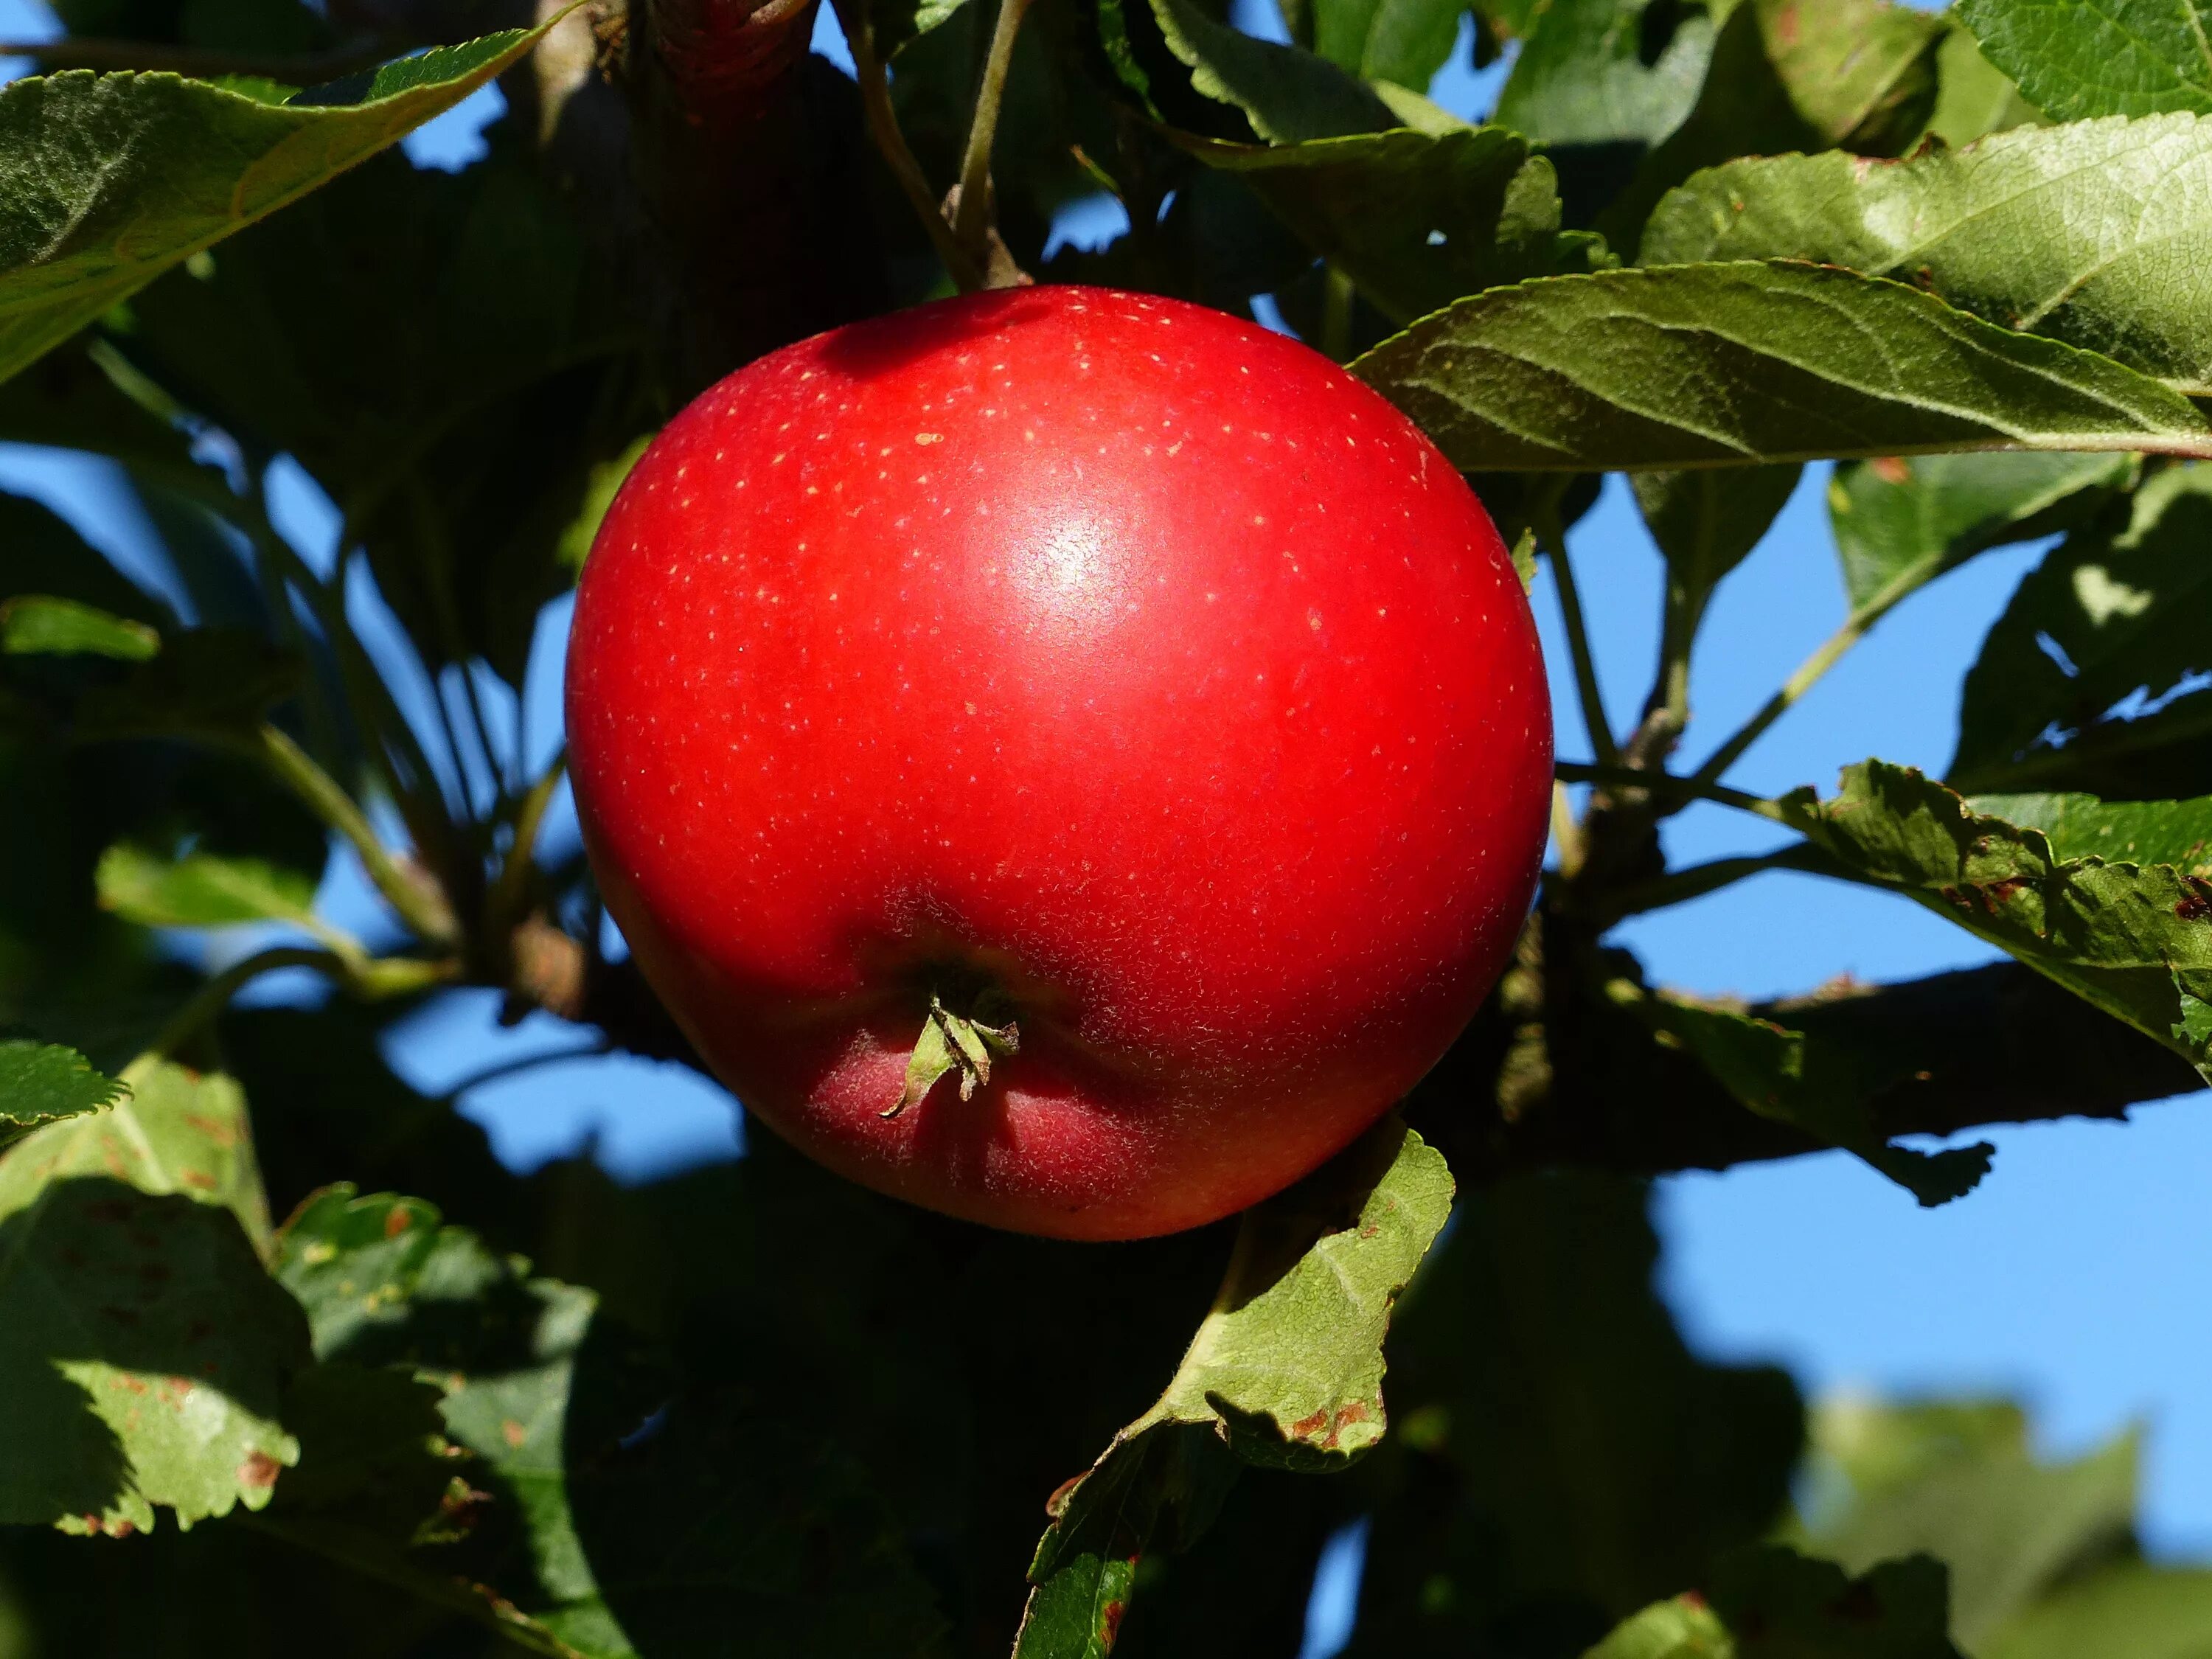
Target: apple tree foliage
x: 289, y: 1360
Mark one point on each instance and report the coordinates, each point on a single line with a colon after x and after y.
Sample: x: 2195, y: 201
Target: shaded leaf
x: 1899, y: 524
x: 1606, y: 72
x: 2080, y: 58
x: 604, y: 480
x: 1958, y: 1482
x: 143, y: 1355
x: 1416, y: 219
x: 40, y: 625
x: 432, y: 348
x: 200, y: 889
x: 41, y: 1083
x: 1289, y: 96
x: 1774, y: 1604
x: 207, y: 682
x: 384, y: 1284
x: 2116, y: 622
x: 1861, y: 73
x: 1974, y: 97
x: 894, y: 23
x: 1813, y: 1085
x: 1559, y: 1457
x: 1707, y: 522
x: 2083, y: 233
x: 1403, y: 41
x: 1726, y: 364
x: 2135, y: 940
x: 105, y: 181
x: 1285, y: 1371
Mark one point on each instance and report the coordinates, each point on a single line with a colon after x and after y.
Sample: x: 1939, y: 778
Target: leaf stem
x: 1696, y: 880
x: 891, y: 143
x: 1578, y: 644
x: 1668, y: 784
x: 1830, y: 651
x: 379, y: 977
x: 503, y: 906
x: 422, y: 911
x: 971, y: 223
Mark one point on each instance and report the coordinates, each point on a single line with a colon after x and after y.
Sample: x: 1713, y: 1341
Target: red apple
x: 1068, y: 758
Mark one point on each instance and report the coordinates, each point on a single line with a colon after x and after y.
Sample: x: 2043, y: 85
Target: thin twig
x: 383, y: 976
x: 422, y: 911
x: 1667, y: 785
x: 1808, y: 673
x: 1696, y: 880
x: 1578, y: 644
x: 891, y: 143
x: 504, y: 908
x: 971, y: 223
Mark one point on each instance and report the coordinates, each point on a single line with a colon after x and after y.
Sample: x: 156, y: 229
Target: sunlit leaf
x: 2084, y: 233
x: 2135, y: 940
x: 1286, y: 1371
x: 2079, y: 58
x: 1729, y: 364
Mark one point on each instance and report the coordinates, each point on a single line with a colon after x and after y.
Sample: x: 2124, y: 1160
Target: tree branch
x: 1981, y: 1046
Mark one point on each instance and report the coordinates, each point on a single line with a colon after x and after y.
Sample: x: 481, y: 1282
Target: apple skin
x: 1114, y: 653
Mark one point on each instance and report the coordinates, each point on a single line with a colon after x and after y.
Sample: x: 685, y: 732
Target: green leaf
x: 107, y: 180
x: 2175, y: 832
x: 200, y: 889
x: 601, y: 483
x: 2019, y: 228
x: 1707, y: 522
x: 1726, y: 364
x: 1402, y: 42
x: 1684, y: 1628
x: 433, y: 349
x: 2080, y: 58
x: 143, y: 1355
x: 178, y: 1131
x: 207, y: 682
x: 1774, y: 1604
x: 41, y: 1083
x: 1416, y: 219
x: 386, y: 1285
x: 895, y: 23
x: 1899, y: 524
x: 1588, y: 75
x: 2134, y: 1610
x: 40, y: 625
x: 1559, y: 1457
x: 1289, y: 96
x: 1861, y: 73
x: 1958, y: 1482
x: 2119, y: 609
x: 1813, y: 1085
x: 1974, y: 97
x: 2135, y: 940
x: 1286, y: 1371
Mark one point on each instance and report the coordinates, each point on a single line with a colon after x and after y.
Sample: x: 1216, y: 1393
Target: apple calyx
x: 956, y: 1042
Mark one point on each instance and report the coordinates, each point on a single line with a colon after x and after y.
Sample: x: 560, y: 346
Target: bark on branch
x: 1982, y: 1046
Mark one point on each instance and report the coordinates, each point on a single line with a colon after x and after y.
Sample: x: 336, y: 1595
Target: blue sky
x: 2069, y: 1279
